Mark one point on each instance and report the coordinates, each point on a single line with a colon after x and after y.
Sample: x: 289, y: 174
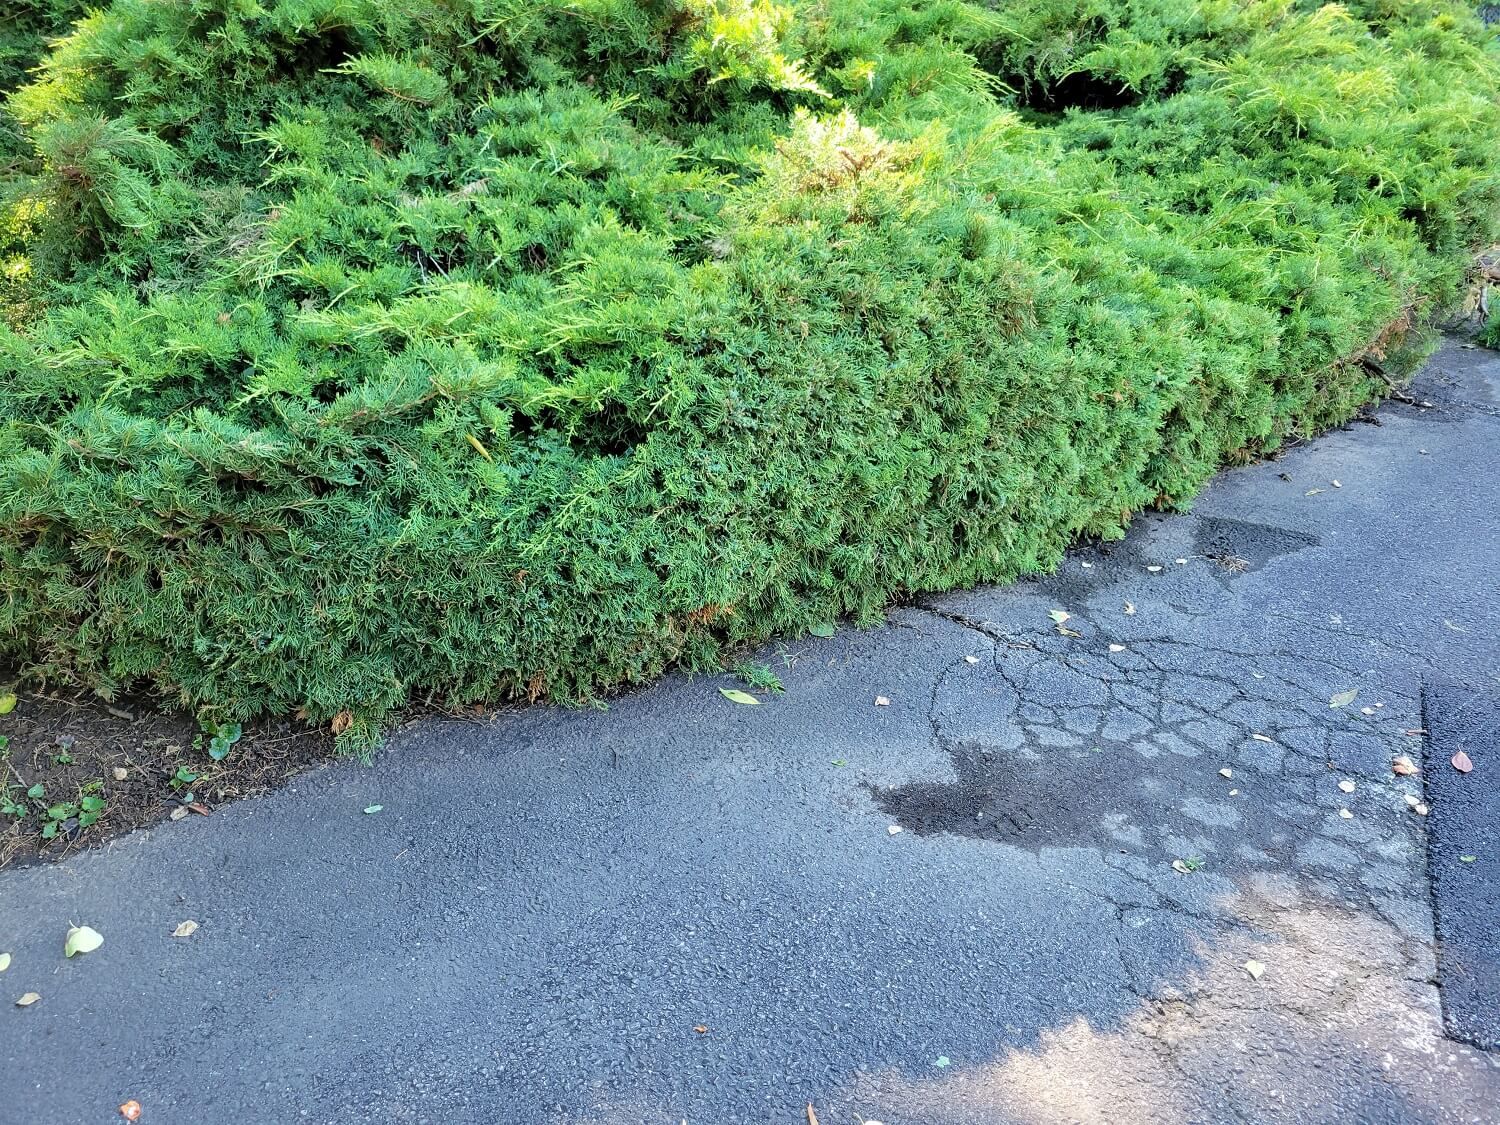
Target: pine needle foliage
x: 474, y: 349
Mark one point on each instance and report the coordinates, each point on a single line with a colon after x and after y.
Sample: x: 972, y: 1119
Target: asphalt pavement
x: 1149, y: 863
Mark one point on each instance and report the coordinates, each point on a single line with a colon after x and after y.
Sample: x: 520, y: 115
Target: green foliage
x: 220, y: 738
x: 475, y: 349
x: 758, y: 675
x: 53, y: 817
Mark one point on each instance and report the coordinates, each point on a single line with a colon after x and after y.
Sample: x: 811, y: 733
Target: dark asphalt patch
x: 1242, y: 546
x: 1107, y: 796
x: 1465, y: 822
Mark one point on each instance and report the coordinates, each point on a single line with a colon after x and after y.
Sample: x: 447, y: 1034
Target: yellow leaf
x: 479, y: 446
x: 82, y: 939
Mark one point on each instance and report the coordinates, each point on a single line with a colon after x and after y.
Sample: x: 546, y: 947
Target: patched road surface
x: 960, y: 907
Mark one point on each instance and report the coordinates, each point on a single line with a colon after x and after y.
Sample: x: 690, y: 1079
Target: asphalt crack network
x: 1115, y: 743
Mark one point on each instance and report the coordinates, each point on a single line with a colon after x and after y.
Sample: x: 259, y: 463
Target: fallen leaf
x: 1116, y: 648
x: 1087, y: 565
x: 700, y: 1029
x: 1367, y: 710
x: 131, y: 1110
x: 1461, y: 762
x: 82, y: 939
x: 1181, y: 868
x: 1346, y: 786
x: 942, y: 1061
x: 840, y: 762
x: 1335, y: 484
x: 198, y: 807
x: 1313, y: 492
x: 177, y: 814
x: 1226, y: 772
x: 824, y: 630
x: 1403, y: 766
x: 1420, y: 809
x: 1344, y: 698
x: 1181, y: 562
x: 4, y: 962
x: 185, y: 929
x: 1129, y: 609
x: 1346, y: 814
x: 1059, y: 616
x: 1154, y: 569
x: 1234, y: 792
x: 1256, y: 969
x: 1413, y: 800
x: 882, y: 701
x: 28, y: 1000
x: 341, y: 722
x: 812, y: 1117
x: 371, y: 810
x: 121, y: 773
x: 893, y: 829
x: 1415, y: 731
x: 1467, y: 858
x: 1262, y: 738
x: 971, y: 660
x: 7, y: 703
x: 735, y: 695
x: 1065, y: 631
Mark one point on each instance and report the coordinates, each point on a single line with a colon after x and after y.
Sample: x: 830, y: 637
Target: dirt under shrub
x: 133, y: 759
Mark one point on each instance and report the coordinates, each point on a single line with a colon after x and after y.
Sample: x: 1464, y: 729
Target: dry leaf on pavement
x: 1461, y: 762
x: 131, y: 1110
x: 185, y: 929
x: 82, y: 939
x: 28, y: 1000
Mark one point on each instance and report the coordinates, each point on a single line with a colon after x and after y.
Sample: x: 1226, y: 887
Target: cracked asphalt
x: 551, y: 905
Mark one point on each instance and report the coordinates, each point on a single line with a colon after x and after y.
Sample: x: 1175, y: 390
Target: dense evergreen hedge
x: 479, y: 348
